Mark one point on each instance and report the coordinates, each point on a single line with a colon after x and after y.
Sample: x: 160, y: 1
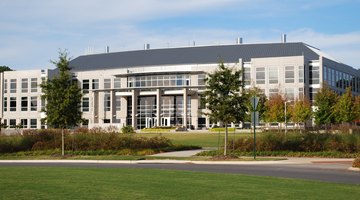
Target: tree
x: 224, y: 98
x: 344, y: 108
x: 63, y: 97
x: 254, y: 91
x: 357, y: 108
x: 301, y: 111
x: 325, y: 100
x: 5, y: 68
x: 275, y: 109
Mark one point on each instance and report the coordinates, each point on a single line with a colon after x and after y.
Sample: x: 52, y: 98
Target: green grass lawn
x: 196, y: 139
x: 110, y: 183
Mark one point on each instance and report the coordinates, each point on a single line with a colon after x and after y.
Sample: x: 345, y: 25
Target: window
x: 33, y: 123
x: 106, y: 121
x: 329, y: 77
x: 273, y: 91
x: 85, y: 104
x: 260, y: 75
x: 12, y: 123
x: 273, y: 75
x: 301, y: 93
x: 85, y: 122
x: 42, y: 124
x: 301, y: 74
x: 247, y: 76
x: 117, y: 83
x: 24, y: 123
x: 5, y: 104
x: 289, y: 74
x: 42, y: 103
x: 313, y: 91
x: 107, y: 83
x: 24, y: 104
x: 33, y: 103
x: 5, y: 122
x: 117, y: 103
x: 95, y: 84
x: 202, y: 103
x: 201, y: 79
x: 325, y: 74
x: 289, y: 94
x: 85, y: 86
x: 12, y: 103
x: 24, y: 85
x: 34, y: 84
x: 314, y: 75
x: 5, y: 86
x: 107, y: 103
x: 12, y: 85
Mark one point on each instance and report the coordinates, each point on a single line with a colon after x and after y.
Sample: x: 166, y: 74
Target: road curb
x: 354, y: 169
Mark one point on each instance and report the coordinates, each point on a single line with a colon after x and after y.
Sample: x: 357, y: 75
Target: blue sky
x: 33, y: 31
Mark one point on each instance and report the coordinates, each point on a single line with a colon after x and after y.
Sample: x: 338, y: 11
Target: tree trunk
x: 62, y: 142
x: 226, y: 139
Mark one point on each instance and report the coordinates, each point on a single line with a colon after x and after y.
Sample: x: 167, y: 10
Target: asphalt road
x: 318, y: 172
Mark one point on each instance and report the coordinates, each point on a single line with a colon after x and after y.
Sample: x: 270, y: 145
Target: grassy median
x: 110, y: 183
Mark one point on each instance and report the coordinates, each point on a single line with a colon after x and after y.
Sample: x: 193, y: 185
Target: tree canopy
x: 261, y: 108
x: 5, y: 68
x: 63, y: 96
x: 325, y: 100
x: 301, y: 111
x: 344, y: 108
x: 275, y: 109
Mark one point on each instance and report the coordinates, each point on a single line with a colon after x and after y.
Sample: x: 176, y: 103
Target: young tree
x: 63, y: 97
x: 301, y: 111
x: 224, y: 98
x: 254, y: 91
x: 344, y: 108
x: 325, y: 100
x: 275, y: 109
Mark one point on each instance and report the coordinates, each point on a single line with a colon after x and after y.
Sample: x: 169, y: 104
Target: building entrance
x: 150, y: 122
x: 165, y: 121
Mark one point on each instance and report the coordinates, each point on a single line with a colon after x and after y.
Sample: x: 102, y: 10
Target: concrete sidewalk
x: 187, y: 153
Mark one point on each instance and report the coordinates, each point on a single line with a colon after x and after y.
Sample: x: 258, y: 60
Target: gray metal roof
x: 190, y: 55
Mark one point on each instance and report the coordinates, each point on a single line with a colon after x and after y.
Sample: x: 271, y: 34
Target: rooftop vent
x: 283, y: 38
x: 146, y: 46
x: 239, y: 40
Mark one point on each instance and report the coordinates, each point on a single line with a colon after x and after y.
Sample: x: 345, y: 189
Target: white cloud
x: 33, y: 31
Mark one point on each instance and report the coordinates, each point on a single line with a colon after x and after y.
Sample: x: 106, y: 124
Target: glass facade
x: 158, y: 80
x: 172, y: 111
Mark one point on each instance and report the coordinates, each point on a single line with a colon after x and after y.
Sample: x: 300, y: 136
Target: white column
x: 158, y: 106
x: 95, y: 107
x: 112, y: 108
x: 185, y: 107
x: 134, y: 96
x: 194, y: 110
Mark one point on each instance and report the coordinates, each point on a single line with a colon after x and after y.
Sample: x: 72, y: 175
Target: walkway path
x: 187, y: 153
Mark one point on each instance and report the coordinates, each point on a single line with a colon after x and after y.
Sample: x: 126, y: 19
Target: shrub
x: 127, y: 129
x: 356, y: 162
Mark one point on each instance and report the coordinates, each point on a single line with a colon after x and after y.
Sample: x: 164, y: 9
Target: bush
x: 127, y: 129
x: 356, y: 162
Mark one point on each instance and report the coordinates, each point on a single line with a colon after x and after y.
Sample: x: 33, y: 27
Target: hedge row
x: 308, y: 142
x: 51, y: 139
